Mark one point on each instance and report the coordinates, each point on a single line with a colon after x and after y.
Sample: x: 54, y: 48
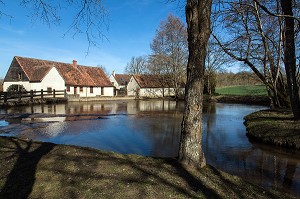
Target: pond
x: 152, y: 128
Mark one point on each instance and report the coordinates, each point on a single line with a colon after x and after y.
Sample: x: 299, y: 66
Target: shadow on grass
x: 79, y: 172
x: 21, y: 179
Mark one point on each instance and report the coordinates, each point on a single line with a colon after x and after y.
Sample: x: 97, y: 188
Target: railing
x: 31, y: 95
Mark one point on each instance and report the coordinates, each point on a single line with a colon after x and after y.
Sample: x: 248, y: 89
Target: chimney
x: 74, y: 63
x: 114, y: 74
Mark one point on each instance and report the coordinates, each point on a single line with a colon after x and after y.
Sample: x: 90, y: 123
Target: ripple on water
x: 3, y: 123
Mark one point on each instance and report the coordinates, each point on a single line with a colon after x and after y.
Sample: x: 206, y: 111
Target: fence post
x: 65, y: 93
x: 42, y: 94
x: 5, y: 97
x: 53, y: 93
x: 31, y: 95
x: 19, y: 95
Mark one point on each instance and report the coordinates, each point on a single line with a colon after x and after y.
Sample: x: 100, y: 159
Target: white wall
x: 114, y: 81
x: 151, y: 92
x: 52, y: 80
x: 159, y: 92
x: 132, y: 87
x: 86, y: 91
x: 108, y: 91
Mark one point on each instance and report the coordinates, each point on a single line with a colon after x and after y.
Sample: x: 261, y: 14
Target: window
x: 91, y: 90
x: 81, y: 88
x: 49, y: 90
x: 20, y: 76
x: 68, y: 88
x: 102, y: 91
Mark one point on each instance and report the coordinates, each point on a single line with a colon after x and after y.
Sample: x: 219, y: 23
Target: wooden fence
x: 31, y: 95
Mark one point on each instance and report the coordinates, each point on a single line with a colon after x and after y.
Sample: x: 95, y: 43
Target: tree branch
x: 245, y: 60
x: 264, y: 8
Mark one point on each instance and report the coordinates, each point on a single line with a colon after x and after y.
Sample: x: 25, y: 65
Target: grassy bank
x: 275, y: 127
x: 43, y: 170
x: 238, y: 99
x: 251, y: 90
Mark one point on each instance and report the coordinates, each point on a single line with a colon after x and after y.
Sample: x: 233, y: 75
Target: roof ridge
x: 45, y: 60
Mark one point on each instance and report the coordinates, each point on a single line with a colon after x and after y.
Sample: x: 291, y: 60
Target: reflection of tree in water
x: 268, y: 169
x: 289, y: 175
x: 162, y: 133
x: 167, y: 136
x: 209, y: 111
x: 234, y: 154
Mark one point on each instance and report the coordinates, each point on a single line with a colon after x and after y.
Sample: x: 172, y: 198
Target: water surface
x: 152, y: 128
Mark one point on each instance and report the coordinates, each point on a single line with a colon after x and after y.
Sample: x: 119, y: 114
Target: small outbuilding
x: 146, y: 85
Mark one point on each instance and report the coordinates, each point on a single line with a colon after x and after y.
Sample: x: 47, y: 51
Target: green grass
x: 243, y: 90
x: 274, y: 126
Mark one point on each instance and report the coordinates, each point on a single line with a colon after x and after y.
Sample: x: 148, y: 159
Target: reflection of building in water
x: 89, y: 108
x: 40, y: 108
x: 134, y: 107
x: 102, y: 107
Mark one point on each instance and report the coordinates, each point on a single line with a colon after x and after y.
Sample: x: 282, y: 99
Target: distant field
x: 242, y: 90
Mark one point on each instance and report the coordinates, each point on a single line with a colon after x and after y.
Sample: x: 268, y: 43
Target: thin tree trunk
x: 290, y: 56
x: 198, y: 20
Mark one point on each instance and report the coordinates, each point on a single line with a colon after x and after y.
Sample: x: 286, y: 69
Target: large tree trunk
x: 198, y: 21
x: 290, y: 56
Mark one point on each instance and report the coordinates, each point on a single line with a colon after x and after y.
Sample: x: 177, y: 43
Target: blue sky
x: 132, y: 26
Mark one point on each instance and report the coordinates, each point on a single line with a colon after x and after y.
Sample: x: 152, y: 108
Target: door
x: 75, y: 90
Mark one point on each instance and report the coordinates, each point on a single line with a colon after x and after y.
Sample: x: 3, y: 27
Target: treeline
x: 224, y: 79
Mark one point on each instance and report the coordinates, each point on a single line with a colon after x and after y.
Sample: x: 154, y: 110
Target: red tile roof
x: 36, y: 70
x: 97, y: 75
x: 154, y: 81
x: 122, y: 79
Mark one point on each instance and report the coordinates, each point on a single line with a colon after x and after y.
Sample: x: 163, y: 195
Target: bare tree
x: 198, y: 21
x: 137, y: 65
x: 216, y: 59
x: 254, y: 39
x: 170, y: 51
x: 262, y: 34
x: 290, y: 56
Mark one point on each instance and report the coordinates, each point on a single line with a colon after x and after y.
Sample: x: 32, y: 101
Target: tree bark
x: 290, y: 56
x: 198, y: 21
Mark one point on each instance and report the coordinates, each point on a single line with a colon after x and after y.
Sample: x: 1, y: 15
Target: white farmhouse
x: 145, y: 85
x: 36, y: 74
